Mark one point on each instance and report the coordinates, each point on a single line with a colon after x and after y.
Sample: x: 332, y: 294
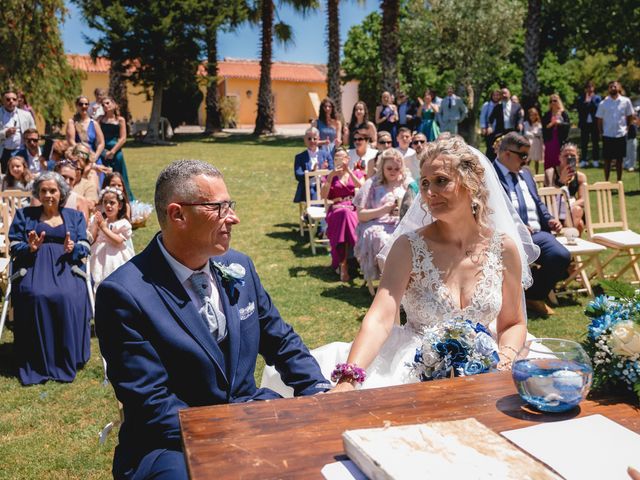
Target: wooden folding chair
x: 539, y: 179
x: 608, y: 226
x: 302, y: 207
x: 316, y: 208
x: 583, y: 253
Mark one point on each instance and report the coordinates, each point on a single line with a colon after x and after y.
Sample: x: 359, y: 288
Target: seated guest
x: 182, y: 324
x: 52, y: 334
x: 377, y: 204
x: 359, y: 120
x: 384, y: 143
x: 566, y: 174
x: 521, y: 188
x: 67, y: 170
x: 404, y: 147
x: 18, y: 176
x: 86, y: 183
x: 418, y: 142
x: 342, y: 219
x: 360, y: 156
x: 32, y: 152
x: 311, y: 159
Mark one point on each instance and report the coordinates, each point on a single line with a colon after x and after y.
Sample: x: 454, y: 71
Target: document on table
x: 592, y: 447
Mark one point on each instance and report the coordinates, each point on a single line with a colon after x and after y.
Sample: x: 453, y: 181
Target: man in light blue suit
x: 182, y: 323
x: 312, y: 158
x: 452, y: 112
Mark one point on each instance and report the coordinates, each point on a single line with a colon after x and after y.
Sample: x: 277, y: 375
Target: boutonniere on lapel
x: 232, y: 277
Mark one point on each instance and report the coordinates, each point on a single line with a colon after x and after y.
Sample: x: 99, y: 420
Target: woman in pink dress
x: 555, y: 130
x: 342, y: 218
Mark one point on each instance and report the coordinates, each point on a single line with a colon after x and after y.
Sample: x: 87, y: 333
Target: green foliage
x: 33, y: 58
x: 617, y: 289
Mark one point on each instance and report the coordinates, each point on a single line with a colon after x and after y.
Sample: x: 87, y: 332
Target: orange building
x: 298, y: 89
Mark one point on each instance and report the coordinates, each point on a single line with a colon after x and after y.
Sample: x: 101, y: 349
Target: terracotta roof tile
x: 84, y: 63
x: 283, y: 71
x: 228, y: 68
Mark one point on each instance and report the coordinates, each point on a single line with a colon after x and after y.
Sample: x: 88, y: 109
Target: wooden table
x: 295, y: 438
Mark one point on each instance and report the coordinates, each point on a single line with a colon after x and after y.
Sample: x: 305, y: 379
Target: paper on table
x: 592, y: 447
x: 343, y: 470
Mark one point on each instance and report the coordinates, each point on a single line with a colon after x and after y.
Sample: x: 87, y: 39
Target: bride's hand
x: 342, y: 387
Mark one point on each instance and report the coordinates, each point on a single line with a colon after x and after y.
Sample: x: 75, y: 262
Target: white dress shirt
x: 614, y: 115
x: 506, y: 114
x: 10, y: 120
x: 313, y: 157
x: 184, y: 273
x: 532, y: 211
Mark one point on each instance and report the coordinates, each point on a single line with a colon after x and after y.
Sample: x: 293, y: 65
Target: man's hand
x: 10, y: 132
x: 555, y: 225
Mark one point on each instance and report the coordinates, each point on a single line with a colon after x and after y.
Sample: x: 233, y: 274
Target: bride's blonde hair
x: 468, y: 169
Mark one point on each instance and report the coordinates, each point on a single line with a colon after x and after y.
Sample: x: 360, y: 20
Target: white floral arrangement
x: 613, y: 339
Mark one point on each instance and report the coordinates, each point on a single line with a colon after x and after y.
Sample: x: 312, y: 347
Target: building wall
x: 292, y: 100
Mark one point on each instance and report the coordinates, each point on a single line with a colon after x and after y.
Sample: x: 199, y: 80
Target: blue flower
x: 484, y: 344
x: 473, y: 367
x: 451, y: 348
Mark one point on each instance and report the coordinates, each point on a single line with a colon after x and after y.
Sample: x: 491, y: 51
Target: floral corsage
x: 233, y: 273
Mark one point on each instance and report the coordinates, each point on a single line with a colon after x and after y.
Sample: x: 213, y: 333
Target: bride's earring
x: 474, y: 208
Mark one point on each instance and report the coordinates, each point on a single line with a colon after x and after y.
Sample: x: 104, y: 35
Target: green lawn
x: 50, y: 431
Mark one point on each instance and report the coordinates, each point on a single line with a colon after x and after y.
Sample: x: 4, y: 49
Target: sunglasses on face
x: 360, y: 139
x: 312, y: 139
x: 522, y: 155
x: 32, y: 140
x: 83, y: 104
x: 419, y: 142
x: 10, y: 99
x: 384, y: 142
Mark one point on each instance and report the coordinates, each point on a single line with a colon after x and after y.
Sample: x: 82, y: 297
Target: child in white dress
x: 111, y: 234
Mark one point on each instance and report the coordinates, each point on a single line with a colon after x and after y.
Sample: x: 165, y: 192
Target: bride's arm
x: 379, y: 320
x: 511, y: 324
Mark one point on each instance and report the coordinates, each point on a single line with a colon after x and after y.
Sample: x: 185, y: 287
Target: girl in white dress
x: 459, y: 252
x: 111, y: 234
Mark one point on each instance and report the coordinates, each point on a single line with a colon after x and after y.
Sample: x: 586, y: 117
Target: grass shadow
x: 354, y: 294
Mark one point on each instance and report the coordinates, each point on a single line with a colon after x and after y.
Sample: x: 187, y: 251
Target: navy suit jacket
x: 303, y: 164
x: 496, y: 117
x: 543, y: 214
x: 162, y: 358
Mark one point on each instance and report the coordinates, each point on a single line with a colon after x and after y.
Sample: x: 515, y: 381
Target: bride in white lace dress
x: 470, y: 261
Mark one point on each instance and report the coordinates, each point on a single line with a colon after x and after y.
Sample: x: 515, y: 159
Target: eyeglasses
x: 384, y: 142
x: 360, y: 139
x: 223, y: 207
x: 416, y: 142
x: 32, y: 140
x: 522, y: 155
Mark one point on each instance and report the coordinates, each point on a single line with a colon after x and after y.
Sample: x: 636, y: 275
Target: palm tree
x: 390, y: 44
x: 333, y: 44
x: 530, y: 84
x: 214, y: 120
x: 282, y: 32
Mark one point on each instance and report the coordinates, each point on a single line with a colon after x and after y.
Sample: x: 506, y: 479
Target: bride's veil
x: 502, y: 217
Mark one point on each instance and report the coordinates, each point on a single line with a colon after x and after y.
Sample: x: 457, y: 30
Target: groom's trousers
x: 553, y: 262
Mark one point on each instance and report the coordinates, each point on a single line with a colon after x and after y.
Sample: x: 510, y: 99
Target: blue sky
x: 309, y: 33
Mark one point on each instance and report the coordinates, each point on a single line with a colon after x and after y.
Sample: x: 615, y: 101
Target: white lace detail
x: 427, y: 300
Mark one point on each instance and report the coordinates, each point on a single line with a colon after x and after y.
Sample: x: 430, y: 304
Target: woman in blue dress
x: 114, y: 128
x: 83, y: 129
x: 387, y: 117
x: 52, y: 311
x: 427, y: 112
x: 329, y: 126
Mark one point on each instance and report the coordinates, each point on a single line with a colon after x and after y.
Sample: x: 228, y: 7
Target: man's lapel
x: 177, y: 301
x: 502, y: 178
x: 229, y: 298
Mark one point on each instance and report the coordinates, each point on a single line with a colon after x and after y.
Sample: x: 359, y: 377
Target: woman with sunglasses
x: 83, y: 129
x: 555, y: 130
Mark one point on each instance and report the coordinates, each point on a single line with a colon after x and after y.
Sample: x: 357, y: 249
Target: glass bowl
x: 552, y: 374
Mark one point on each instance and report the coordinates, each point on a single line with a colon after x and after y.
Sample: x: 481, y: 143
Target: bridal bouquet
x: 456, y: 348
x: 613, y: 339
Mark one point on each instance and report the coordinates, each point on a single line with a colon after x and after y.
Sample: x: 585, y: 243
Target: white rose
x: 625, y: 339
x: 236, y: 270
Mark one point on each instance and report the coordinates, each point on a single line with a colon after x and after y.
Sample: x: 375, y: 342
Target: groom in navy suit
x: 521, y: 188
x: 182, y: 323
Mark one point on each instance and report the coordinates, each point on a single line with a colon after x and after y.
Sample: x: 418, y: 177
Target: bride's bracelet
x: 349, y: 372
x: 509, y: 347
